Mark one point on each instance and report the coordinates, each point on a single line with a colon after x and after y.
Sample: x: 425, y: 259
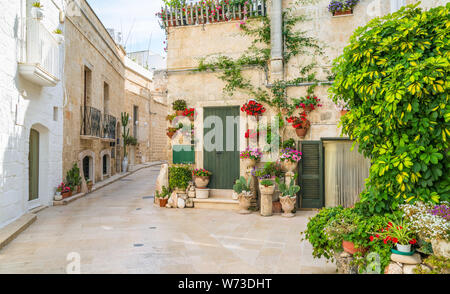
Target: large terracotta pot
x: 288, y: 205
x: 288, y: 166
x: 201, y: 182
x: 349, y: 247
x: 245, y: 201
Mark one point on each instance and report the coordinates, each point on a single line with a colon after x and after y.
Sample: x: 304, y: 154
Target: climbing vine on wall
x: 258, y: 55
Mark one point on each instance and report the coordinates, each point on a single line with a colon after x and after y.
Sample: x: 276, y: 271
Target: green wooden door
x: 311, y: 175
x: 33, y: 165
x: 223, y: 163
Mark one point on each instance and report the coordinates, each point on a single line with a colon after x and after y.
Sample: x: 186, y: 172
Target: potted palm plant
x: 288, y: 196
x: 37, y: 11
x: 243, y: 188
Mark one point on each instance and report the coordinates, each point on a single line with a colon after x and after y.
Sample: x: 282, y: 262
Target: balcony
x: 42, y: 56
x: 95, y: 125
x: 213, y: 12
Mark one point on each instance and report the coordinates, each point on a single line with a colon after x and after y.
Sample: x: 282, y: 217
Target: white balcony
x: 42, y: 56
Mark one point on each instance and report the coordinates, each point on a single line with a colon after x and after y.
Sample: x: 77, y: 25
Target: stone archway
x: 90, y: 155
x: 105, y: 157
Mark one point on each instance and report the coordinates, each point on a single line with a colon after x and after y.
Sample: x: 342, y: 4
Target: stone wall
x: 25, y: 105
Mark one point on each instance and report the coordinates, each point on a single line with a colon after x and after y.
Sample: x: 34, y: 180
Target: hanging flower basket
x: 253, y: 108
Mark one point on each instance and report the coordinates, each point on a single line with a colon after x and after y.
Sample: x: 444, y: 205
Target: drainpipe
x: 276, y: 26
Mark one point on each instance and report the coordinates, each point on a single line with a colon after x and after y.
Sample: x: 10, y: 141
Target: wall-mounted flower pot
x: 301, y: 132
x: 37, y: 13
x: 345, y: 12
x: 180, y: 112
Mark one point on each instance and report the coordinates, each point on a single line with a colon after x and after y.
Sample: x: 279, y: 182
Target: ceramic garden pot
x: 201, y: 182
x: 288, y: 166
x: 202, y: 193
x: 245, y: 201
x: 125, y: 164
x: 267, y: 190
x: 404, y: 248
x: 288, y: 205
x: 163, y: 202
x: 249, y: 163
x: 301, y: 132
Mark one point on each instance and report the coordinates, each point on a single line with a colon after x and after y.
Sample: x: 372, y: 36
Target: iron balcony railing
x: 211, y: 11
x: 109, y: 126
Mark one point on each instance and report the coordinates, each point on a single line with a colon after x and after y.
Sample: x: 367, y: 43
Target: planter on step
x: 202, y: 193
x: 245, y: 201
x: 201, y: 182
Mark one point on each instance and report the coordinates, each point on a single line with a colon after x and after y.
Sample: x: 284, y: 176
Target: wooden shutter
x: 311, y: 175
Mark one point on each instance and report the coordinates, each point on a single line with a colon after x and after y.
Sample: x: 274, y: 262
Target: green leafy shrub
x: 73, y: 178
x: 179, y: 105
x: 394, y: 76
x: 286, y: 190
x: 165, y: 193
x: 179, y: 176
x: 266, y: 183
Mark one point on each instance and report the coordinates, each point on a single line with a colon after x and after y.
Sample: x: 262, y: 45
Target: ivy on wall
x: 394, y: 75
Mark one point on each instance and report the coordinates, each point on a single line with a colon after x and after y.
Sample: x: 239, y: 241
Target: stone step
x: 216, y: 203
x: 11, y: 231
x: 221, y: 194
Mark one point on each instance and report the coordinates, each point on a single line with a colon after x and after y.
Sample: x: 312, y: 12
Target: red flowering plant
x: 308, y: 103
x: 250, y: 134
x: 201, y: 172
x: 189, y: 112
x: 253, y: 108
x: 397, y: 233
x: 62, y: 188
x: 298, y: 122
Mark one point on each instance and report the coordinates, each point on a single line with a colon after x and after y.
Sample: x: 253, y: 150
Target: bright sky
x: 135, y: 19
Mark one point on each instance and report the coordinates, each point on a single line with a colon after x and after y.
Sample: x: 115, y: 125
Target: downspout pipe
x: 276, y: 32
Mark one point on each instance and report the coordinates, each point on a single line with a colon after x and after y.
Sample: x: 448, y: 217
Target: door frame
x: 236, y: 143
x: 35, y: 202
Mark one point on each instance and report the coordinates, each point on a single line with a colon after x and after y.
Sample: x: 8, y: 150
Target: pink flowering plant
x: 62, y: 188
x: 289, y: 154
x: 201, y: 172
x: 251, y: 153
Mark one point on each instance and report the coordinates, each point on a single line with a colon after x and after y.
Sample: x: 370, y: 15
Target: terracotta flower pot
x: 308, y: 108
x: 288, y: 205
x: 301, y: 132
x: 288, y: 166
x: 349, y: 247
x: 344, y: 112
x: 276, y: 207
x: 170, y: 134
x: 345, y: 12
x: 163, y: 202
x: 179, y: 112
x: 66, y: 194
x: 201, y: 182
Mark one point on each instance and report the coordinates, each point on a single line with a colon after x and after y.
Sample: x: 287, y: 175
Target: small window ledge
x: 36, y: 74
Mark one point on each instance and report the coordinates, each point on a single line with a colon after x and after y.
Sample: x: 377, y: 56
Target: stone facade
x: 26, y: 105
x: 188, y: 44
x: 99, y: 75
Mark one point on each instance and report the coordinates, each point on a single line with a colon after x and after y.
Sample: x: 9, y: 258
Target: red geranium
x: 189, y: 112
x: 253, y: 108
x: 297, y: 122
x: 251, y: 134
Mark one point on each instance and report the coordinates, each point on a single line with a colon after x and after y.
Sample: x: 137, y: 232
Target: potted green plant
x: 73, y: 178
x: 65, y: 190
x: 179, y: 106
x: 163, y: 197
x: 300, y: 124
x: 37, y: 10
x: 400, y: 234
x: 59, y: 189
x: 288, y: 196
x: 243, y: 188
x: 201, y: 177
x: 308, y: 103
x: 58, y: 36
x: 171, y: 117
x: 125, y: 118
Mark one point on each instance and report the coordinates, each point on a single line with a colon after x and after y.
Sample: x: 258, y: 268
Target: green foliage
x: 179, y: 105
x: 270, y: 169
x: 125, y: 118
x: 290, y: 190
x: 37, y: 4
x: 73, y: 178
x: 266, y: 183
x: 394, y: 75
x: 179, y: 176
x: 439, y: 265
x: 165, y: 193
x: 242, y: 185
x: 290, y: 143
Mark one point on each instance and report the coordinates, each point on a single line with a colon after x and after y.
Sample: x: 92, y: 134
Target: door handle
x: 219, y: 152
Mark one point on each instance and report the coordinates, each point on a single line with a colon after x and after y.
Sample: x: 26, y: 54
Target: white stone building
x: 31, y: 102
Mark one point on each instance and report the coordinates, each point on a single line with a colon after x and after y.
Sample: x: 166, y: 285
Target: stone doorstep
x: 216, y: 203
x: 11, y: 231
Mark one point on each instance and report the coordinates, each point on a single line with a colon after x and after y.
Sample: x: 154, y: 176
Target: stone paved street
x: 118, y: 230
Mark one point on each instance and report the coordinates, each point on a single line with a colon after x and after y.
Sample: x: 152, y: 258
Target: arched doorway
x: 88, y: 167
x: 33, y: 166
x: 105, y: 157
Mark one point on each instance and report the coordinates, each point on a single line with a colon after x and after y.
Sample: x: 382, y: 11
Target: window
x: 105, y: 98
x: 135, y: 121
x: 87, y: 86
x: 397, y: 4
